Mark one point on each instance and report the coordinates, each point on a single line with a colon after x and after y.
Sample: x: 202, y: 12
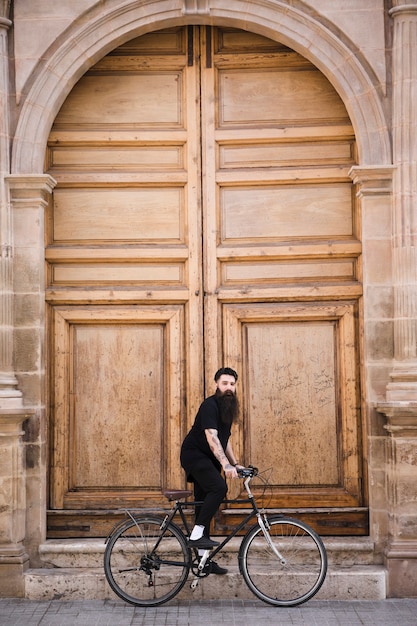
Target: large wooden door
x: 203, y: 216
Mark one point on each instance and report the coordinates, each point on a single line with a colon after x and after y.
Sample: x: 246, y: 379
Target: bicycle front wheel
x: 287, y: 570
x: 144, y: 564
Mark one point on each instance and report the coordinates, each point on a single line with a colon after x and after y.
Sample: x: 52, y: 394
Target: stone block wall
x: 47, y: 46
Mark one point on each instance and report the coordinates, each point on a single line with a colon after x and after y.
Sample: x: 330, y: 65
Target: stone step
x: 67, y: 553
x: 360, y: 582
x: 73, y: 569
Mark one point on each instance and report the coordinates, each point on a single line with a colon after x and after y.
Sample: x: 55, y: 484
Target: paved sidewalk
x: 393, y: 612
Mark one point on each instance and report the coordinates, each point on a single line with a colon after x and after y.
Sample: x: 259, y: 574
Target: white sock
x: 197, y: 532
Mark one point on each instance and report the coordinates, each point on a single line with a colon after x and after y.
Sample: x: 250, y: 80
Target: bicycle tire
x: 144, y: 565
x: 294, y: 579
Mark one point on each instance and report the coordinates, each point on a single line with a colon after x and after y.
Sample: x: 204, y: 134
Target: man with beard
x: 205, y: 451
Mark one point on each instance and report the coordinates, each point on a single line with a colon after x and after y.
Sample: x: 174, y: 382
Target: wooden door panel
x: 259, y: 97
x: 259, y: 272
x: 272, y: 213
x: 293, y: 425
x: 150, y: 274
x: 142, y: 215
x: 125, y: 99
x: 130, y: 158
x: 118, y: 400
x: 285, y: 154
x: 301, y: 416
x: 109, y: 390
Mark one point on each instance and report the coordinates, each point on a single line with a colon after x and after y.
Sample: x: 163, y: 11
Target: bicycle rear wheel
x: 291, y: 578
x: 145, y: 565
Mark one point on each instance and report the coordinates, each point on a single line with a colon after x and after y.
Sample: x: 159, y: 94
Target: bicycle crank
x: 194, y: 584
x: 201, y: 568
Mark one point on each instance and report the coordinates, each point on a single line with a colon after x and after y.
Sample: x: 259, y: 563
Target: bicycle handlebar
x: 247, y: 472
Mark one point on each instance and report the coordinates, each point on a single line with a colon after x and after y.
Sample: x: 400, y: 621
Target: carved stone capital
x: 372, y: 180
x: 28, y: 187
x: 11, y: 421
x: 402, y: 6
x: 401, y: 418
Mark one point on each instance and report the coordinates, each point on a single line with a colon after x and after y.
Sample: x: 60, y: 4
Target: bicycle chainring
x: 201, y: 574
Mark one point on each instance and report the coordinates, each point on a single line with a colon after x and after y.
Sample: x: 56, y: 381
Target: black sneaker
x: 204, y: 543
x: 216, y: 569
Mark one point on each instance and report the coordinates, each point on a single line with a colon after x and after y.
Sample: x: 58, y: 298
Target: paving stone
x: 391, y: 612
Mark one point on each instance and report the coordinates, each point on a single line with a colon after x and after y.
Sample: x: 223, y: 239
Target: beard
x: 228, y: 406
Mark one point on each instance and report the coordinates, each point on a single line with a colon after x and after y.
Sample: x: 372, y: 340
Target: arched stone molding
x: 100, y: 31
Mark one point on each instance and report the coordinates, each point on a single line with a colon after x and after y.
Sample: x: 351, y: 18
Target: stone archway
x: 100, y: 32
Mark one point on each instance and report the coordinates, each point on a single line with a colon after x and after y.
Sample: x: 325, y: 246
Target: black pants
x: 211, y: 488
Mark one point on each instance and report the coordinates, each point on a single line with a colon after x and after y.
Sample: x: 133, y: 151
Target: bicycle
x: 147, y: 560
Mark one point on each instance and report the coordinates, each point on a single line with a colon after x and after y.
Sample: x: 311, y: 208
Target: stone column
x: 13, y: 557
x: 400, y: 407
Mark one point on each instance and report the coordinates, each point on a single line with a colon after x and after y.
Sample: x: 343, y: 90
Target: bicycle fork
x: 263, y: 523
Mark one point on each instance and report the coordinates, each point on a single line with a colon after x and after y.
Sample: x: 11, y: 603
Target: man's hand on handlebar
x: 234, y: 471
x: 244, y: 472
x: 240, y: 471
x: 230, y: 471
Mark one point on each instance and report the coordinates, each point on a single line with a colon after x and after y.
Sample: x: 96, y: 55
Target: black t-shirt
x: 195, y: 446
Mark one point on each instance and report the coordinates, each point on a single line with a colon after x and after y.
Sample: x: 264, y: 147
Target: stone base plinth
x: 401, y: 565
x: 12, y: 580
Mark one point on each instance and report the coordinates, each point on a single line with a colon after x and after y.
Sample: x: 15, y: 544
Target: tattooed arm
x: 217, y: 449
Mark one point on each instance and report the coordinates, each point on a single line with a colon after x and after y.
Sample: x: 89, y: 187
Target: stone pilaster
x: 10, y: 396
x: 29, y: 197
x: 13, y: 557
x: 400, y: 408
x: 403, y: 385
x: 373, y: 186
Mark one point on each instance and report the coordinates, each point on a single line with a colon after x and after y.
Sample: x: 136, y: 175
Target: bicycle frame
x: 255, y: 512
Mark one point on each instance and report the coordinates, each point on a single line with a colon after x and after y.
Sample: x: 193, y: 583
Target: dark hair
x: 225, y: 370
